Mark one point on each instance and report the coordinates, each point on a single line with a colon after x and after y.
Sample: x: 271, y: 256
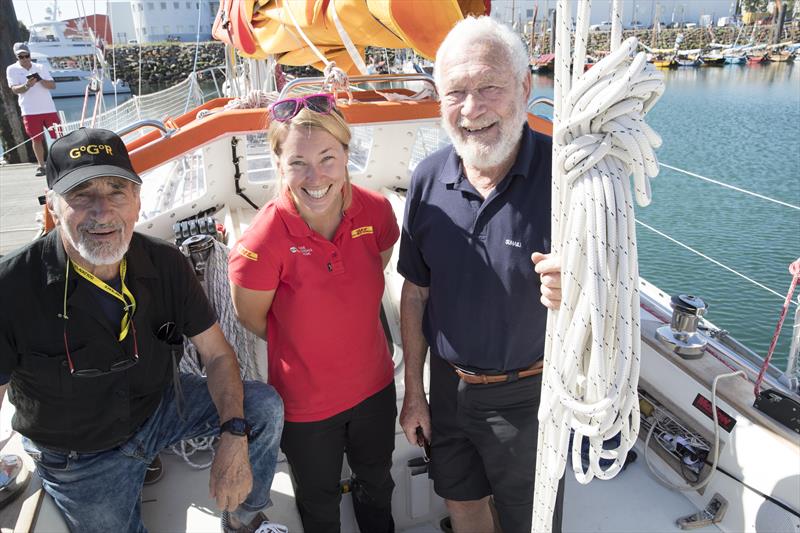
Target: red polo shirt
x: 327, y: 350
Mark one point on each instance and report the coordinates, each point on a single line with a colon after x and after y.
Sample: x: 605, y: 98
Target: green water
x: 739, y: 125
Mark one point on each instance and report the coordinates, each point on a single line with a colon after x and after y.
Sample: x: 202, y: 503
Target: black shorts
x: 484, y: 442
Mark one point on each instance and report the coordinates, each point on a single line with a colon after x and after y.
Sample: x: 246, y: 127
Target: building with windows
x: 165, y: 20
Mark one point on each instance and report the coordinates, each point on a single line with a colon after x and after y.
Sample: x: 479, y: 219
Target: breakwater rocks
x: 162, y: 64
x: 692, y: 38
x: 165, y: 64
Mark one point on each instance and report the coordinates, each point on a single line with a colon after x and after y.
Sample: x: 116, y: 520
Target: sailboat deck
x: 631, y: 502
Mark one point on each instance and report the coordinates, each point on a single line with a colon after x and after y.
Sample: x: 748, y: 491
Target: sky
x: 37, y: 9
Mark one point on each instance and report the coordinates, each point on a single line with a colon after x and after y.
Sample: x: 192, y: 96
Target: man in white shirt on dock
x: 33, y: 83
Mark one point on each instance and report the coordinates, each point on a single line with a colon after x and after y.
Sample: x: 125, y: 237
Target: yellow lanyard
x: 126, y: 297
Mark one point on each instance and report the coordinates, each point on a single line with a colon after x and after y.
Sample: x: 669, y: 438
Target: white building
x: 121, y: 20
x: 162, y: 20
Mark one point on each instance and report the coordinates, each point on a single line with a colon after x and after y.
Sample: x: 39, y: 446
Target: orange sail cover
x: 258, y: 28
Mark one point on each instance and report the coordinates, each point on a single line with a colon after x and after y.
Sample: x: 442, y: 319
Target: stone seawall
x: 162, y: 64
x: 165, y: 64
x: 692, y: 38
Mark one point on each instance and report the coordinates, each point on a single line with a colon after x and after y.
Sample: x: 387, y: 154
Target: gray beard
x: 486, y: 157
x: 97, y: 254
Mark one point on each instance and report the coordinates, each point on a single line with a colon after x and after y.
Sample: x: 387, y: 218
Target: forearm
x: 48, y: 84
x: 19, y: 89
x: 415, y: 347
x: 225, y: 386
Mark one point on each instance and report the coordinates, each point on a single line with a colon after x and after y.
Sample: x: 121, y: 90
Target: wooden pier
x: 19, y: 205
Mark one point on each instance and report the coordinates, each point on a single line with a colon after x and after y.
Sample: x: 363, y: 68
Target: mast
x: 531, y: 43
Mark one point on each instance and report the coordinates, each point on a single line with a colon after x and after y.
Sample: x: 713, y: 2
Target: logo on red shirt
x: 302, y: 249
x: 364, y: 230
x: 244, y: 252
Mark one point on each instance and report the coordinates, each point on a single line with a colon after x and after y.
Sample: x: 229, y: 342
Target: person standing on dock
x: 478, y: 283
x: 32, y: 82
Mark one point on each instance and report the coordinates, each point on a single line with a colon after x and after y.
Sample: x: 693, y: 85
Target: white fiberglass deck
x: 632, y: 502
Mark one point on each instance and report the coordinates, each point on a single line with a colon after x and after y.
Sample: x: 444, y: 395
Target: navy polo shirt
x: 483, y: 308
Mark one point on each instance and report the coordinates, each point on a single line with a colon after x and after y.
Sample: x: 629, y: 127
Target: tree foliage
x: 754, y: 6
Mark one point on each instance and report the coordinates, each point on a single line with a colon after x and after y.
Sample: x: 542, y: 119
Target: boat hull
x: 71, y: 83
x: 735, y: 60
x: 713, y: 61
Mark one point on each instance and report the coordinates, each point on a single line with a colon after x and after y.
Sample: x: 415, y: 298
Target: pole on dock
x: 553, y: 34
x: 11, y: 129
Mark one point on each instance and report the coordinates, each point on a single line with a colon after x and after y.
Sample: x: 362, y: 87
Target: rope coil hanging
x: 593, y: 341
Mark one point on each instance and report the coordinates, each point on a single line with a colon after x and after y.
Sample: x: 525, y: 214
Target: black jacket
x: 56, y: 409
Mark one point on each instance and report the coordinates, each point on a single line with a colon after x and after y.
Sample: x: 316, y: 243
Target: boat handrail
x: 148, y: 123
x: 541, y: 100
x: 373, y: 78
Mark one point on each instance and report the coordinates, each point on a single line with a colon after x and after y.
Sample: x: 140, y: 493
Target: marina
x: 702, y: 445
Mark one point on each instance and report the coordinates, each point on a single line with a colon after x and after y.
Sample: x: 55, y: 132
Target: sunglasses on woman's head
x: 285, y: 110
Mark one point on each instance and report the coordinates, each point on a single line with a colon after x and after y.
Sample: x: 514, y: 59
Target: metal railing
x: 355, y: 80
x: 170, y: 102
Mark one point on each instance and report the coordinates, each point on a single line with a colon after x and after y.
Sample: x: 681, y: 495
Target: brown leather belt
x: 483, y: 379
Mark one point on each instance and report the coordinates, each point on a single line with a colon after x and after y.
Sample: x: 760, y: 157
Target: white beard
x: 484, y: 156
x: 97, y: 253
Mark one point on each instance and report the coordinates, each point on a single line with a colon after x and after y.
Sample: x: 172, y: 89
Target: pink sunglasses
x: 285, y: 110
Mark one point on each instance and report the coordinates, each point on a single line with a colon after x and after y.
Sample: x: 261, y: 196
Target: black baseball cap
x: 85, y: 154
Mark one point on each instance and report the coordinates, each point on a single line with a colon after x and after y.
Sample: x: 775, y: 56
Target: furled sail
x: 283, y: 28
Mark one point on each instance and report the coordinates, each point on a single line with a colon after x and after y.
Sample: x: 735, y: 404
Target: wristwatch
x: 236, y: 426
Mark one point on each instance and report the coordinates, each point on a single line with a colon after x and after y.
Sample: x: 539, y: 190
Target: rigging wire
x: 794, y: 269
x: 113, y: 54
x: 711, y: 259
x: 30, y: 15
x: 194, y: 63
x: 733, y: 187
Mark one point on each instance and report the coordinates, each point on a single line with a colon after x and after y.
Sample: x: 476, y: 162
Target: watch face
x: 236, y: 426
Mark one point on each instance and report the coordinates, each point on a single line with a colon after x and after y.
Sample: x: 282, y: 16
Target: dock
x: 19, y: 205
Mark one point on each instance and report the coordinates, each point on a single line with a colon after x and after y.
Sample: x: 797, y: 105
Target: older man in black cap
x: 33, y: 83
x: 86, y: 332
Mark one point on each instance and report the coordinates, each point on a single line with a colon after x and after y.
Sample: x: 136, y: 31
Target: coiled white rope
x: 593, y: 346
x: 243, y: 342
x: 219, y: 296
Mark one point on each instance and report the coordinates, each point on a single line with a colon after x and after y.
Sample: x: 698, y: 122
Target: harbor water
x: 740, y: 125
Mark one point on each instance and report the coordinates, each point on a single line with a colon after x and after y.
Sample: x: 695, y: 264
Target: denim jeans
x: 101, y: 491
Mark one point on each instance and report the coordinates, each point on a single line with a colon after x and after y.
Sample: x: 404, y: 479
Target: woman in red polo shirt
x: 307, y: 276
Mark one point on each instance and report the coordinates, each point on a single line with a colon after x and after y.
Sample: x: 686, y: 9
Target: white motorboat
x: 74, y: 60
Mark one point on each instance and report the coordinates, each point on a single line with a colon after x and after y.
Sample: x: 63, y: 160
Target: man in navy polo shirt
x: 478, y: 283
